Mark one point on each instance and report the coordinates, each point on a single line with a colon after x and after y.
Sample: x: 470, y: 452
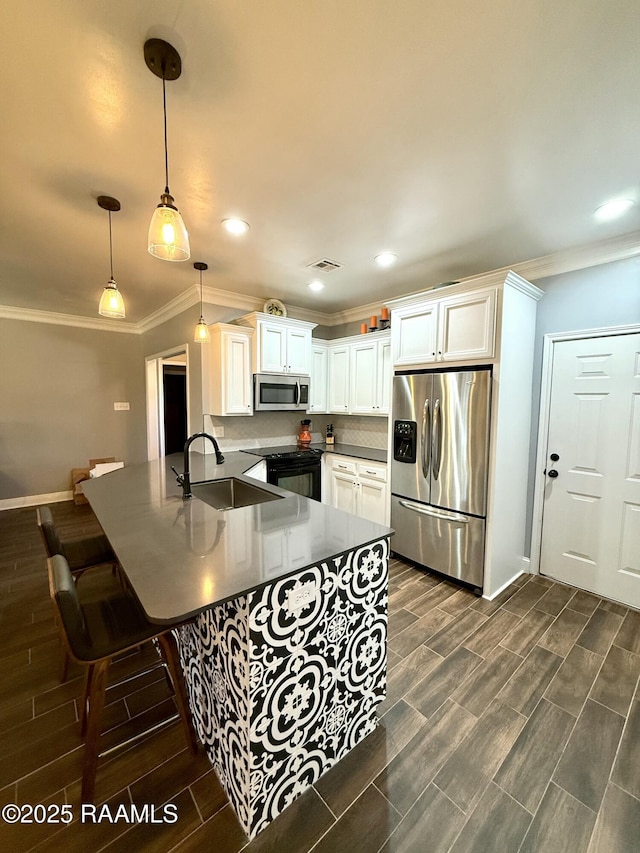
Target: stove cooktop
x: 284, y: 451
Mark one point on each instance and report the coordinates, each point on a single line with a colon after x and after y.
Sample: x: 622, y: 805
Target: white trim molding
x: 35, y: 500
x: 569, y: 260
x: 549, y: 342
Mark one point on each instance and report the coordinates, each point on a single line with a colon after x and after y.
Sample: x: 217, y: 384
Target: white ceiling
x: 464, y: 137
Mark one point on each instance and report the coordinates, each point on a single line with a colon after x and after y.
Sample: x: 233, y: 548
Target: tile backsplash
x: 266, y: 428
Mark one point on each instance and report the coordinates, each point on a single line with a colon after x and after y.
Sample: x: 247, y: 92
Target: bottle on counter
x: 329, y: 437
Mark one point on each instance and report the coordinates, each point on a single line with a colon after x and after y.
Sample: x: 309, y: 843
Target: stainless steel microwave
x: 280, y: 393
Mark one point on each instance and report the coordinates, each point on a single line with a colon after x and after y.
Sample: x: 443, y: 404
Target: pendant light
x: 111, y: 301
x: 168, y: 238
x: 201, y: 334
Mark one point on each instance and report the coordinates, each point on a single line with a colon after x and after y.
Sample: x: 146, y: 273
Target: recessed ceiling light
x: 315, y: 285
x: 386, y: 259
x: 235, y: 226
x: 612, y: 209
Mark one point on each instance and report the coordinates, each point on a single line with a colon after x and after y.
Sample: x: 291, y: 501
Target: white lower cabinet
x: 359, y: 487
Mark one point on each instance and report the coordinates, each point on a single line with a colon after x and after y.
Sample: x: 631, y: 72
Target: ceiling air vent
x: 325, y: 265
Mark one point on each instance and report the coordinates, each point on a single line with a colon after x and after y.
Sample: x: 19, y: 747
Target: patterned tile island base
x: 284, y: 681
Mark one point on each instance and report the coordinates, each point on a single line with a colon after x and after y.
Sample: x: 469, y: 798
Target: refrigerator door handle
x: 436, y: 452
x: 425, y: 454
x: 435, y: 513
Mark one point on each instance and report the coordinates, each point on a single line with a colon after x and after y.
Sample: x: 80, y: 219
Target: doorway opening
x: 167, y: 378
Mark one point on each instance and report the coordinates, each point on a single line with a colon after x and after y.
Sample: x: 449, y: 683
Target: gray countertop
x: 182, y: 557
x: 372, y: 453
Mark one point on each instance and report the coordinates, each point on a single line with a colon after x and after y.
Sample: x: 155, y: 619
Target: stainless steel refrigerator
x: 439, y: 470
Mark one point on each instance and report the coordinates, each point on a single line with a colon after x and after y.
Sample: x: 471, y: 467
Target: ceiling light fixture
x: 111, y: 301
x: 235, y: 226
x: 168, y: 238
x: 315, y: 285
x: 386, y: 259
x: 201, y: 334
x: 613, y: 209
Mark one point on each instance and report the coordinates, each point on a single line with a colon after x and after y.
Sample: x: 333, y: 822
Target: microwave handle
x: 297, y: 399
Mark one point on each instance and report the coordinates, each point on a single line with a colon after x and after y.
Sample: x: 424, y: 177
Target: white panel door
x: 466, y: 326
x: 238, y: 375
x: 343, y: 491
x: 318, y: 401
x: 339, y: 378
x: 591, y: 515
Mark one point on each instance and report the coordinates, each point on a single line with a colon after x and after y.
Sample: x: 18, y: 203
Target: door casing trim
x: 549, y: 342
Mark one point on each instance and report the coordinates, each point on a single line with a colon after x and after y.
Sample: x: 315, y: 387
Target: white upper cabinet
x: 318, y: 400
x: 281, y: 345
x: 466, y: 326
x: 339, y: 358
x: 226, y: 371
x: 414, y: 330
x: 370, y: 376
x: 455, y: 328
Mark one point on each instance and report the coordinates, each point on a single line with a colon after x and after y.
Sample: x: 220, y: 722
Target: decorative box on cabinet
x: 226, y: 371
x: 281, y: 345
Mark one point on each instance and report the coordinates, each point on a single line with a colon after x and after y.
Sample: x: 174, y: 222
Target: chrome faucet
x: 184, y: 479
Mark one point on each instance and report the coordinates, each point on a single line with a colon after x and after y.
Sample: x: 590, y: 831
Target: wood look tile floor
x: 511, y: 725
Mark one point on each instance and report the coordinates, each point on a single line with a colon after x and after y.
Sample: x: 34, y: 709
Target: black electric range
x: 293, y: 467
x: 284, y: 451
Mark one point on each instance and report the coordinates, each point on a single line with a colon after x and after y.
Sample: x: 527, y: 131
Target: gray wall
x: 602, y: 296
x: 57, y: 390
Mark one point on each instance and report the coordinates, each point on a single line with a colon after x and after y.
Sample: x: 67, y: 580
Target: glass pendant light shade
x: 201, y: 334
x: 111, y: 302
x: 168, y: 238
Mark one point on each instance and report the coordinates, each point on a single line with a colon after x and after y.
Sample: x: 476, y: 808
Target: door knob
x: 553, y: 473
x: 554, y: 457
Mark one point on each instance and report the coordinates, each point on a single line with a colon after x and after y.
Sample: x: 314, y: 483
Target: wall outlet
x: 217, y: 432
x: 121, y: 407
x: 301, y: 596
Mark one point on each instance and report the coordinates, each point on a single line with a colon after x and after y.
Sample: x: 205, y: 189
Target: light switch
x: 121, y: 407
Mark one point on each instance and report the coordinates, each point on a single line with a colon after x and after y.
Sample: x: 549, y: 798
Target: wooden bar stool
x: 94, y: 631
x: 90, y: 552
x: 80, y: 554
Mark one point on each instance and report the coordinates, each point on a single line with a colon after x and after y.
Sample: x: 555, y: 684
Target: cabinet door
x: 298, y: 354
x: 466, y: 327
x: 364, y: 387
x: 272, y: 355
x: 339, y: 379
x: 237, y: 375
x: 319, y: 367
x: 384, y: 378
x: 372, y: 500
x: 414, y: 334
x: 343, y: 491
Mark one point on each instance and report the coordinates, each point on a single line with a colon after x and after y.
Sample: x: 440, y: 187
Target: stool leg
x: 88, y: 676
x: 170, y: 653
x: 97, y: 690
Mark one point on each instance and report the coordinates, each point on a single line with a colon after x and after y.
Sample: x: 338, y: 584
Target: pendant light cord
x: 110, y: 247
x: 166, y: 155
x: 201, y: 293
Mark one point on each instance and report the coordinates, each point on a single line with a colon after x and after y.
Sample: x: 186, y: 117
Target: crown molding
x: 33, y: 315
x: 569, y: 260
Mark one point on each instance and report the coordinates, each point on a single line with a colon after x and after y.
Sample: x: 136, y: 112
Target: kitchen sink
x: 231, y: 493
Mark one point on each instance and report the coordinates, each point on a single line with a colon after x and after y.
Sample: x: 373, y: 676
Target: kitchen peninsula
x: 284, y: 650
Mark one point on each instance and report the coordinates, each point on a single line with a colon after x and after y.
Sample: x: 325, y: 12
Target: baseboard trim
x: 504, y: 586
x: 35, y: 500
